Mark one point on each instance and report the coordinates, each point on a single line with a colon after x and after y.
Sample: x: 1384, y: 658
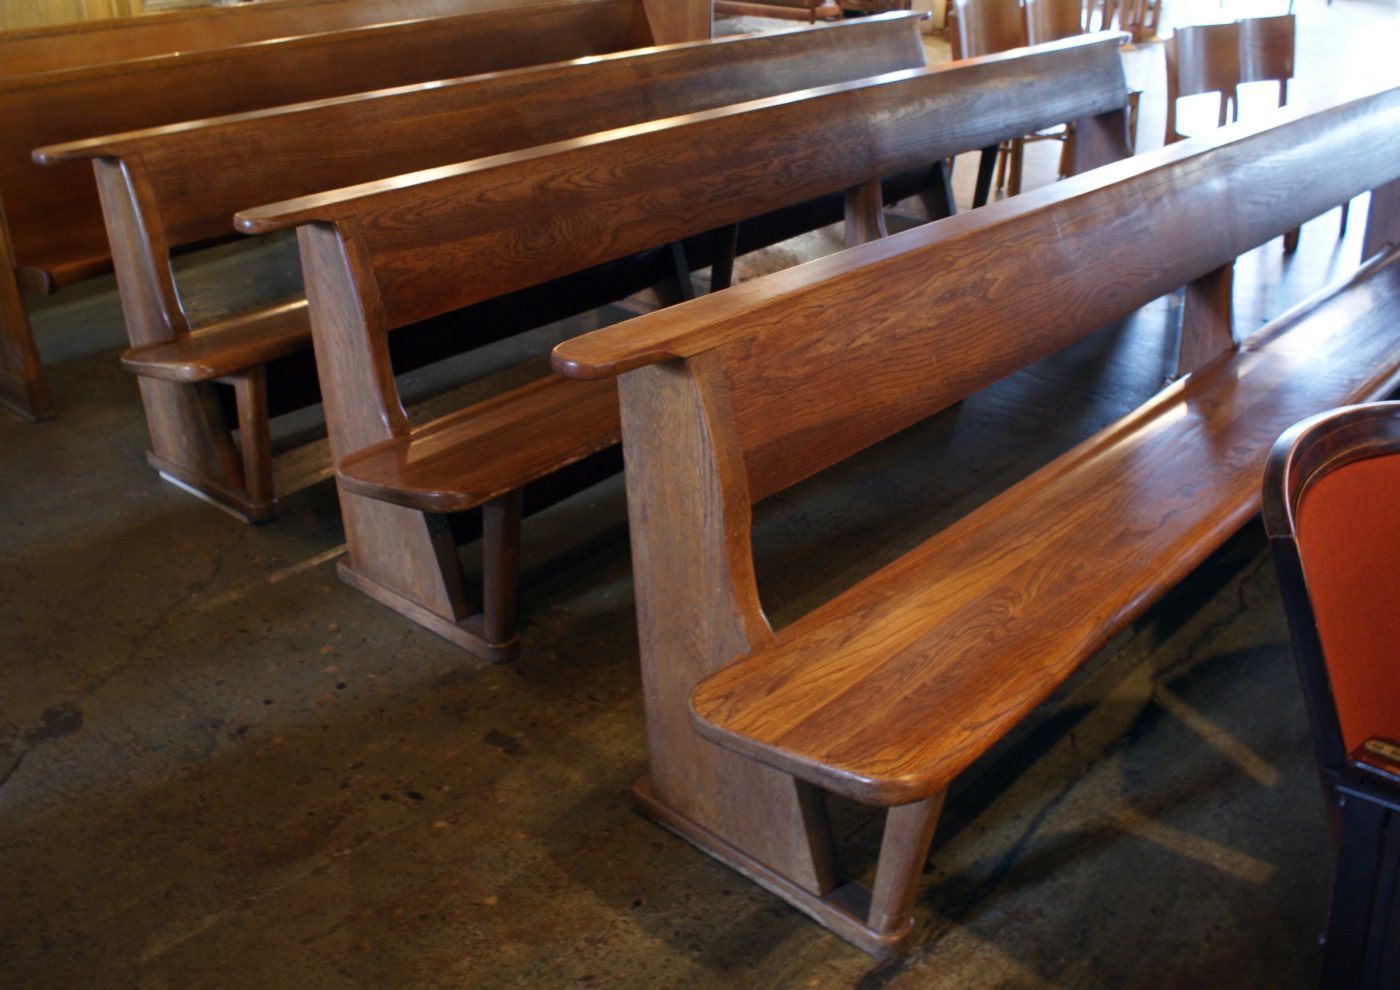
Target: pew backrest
x: 65, y: 46
x: 925, y: 318
x: 285, y: 152
x: 485, y: 227
x: 54, y: 220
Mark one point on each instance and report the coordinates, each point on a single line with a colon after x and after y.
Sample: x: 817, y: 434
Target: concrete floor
x: 219, y: 767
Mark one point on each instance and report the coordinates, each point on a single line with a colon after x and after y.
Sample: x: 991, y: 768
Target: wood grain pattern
x: 287, y: 151
x: 473, y: 455
x: 609, y: 194
x: 1078, y: 279
x: 891, y: 689
x: 907, y: 703
x: 55, y: 225
x: 119, y: 39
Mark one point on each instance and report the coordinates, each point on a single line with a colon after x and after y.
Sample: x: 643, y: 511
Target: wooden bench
x: 384, y: 255
x: 117, y: 39
x: 155, y: 202
x: 887, y: 692
x: 55, y: 231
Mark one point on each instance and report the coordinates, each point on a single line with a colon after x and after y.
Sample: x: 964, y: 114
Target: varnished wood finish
x: 1202, y: 58
x: 636, y: 186
x: 55, y: 224
x: 796, y: 10
x: 267, y: 155
x: 119, y: 39
x: 476, y: 454
x: 887, y: 692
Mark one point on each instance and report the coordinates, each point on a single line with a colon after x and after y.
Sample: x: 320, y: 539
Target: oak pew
x: 154, y: 202
x: 890, y: 690
x: 54, y: 226
x: 65, y: 46
x: 383, y: 255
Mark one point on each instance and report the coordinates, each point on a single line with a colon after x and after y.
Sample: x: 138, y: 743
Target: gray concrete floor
x: 219, y: 767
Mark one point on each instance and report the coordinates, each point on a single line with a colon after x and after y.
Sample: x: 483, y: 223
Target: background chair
x: 1333, y: 518
x: 1202, y: 58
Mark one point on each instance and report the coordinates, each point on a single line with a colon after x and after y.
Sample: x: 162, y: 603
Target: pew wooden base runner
x: 468, y: 633
x: 26, y: 398
x: 230, y: 500
x: 840, y: 911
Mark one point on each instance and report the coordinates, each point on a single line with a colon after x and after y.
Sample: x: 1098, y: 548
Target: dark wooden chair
x: 1333, y: 521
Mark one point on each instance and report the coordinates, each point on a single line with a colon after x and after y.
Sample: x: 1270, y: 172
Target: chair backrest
x: 1266, y: 51
x: 987, y: 26
x: 1334, y: 526
x: 1202, y: 58
x: 1051, y: 20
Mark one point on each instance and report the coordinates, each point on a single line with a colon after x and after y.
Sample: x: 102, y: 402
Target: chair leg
x: 1017, y: 155
x: 903, y: 851
x: 986, y: 165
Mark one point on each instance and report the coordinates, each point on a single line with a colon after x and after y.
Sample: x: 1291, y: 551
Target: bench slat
x: 890, y: 690
x: 483, y: 451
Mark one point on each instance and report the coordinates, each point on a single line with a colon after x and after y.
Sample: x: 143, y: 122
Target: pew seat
x: 226, y: 347
x: 470, y: 456
x: 892, y: 689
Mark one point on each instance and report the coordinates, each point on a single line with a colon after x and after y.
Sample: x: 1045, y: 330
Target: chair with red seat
x: 1333, y: 518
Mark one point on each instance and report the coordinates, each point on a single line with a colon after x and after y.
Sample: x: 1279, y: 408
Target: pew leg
x: 254, y: 435
x: 937, y: 195
x: 500, y: 540
x: 865, y: 213
x: 407, y: 560
x: 903, y: 851
x: 192, y: 445
x: 23, y: 388
x: 726, y: 248
x: 986, y: 165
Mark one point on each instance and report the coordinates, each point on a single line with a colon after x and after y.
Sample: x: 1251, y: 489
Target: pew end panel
x: 887, y: 692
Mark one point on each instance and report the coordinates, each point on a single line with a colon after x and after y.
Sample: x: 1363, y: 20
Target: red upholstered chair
x: 1332, y: 512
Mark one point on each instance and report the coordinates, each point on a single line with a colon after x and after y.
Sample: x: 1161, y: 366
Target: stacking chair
x: 1333, y: 518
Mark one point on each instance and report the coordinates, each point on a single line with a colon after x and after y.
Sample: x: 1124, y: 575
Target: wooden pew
x: 383, y: 255
x: 887, y: 692
x: 118, y: 39
x: 55, y: 231
x: 155, y: 202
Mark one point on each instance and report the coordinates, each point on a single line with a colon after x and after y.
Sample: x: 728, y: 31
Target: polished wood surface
x: 886, y: 692
x: 643, y: 186
x: 1202, y: 58
x: 883, y: 695
x: 799, y: 10
x: 396, y: 553
x: 154, y: 202
x: 118, y: 39
x: 55, y: 224
x: 413, y: 247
